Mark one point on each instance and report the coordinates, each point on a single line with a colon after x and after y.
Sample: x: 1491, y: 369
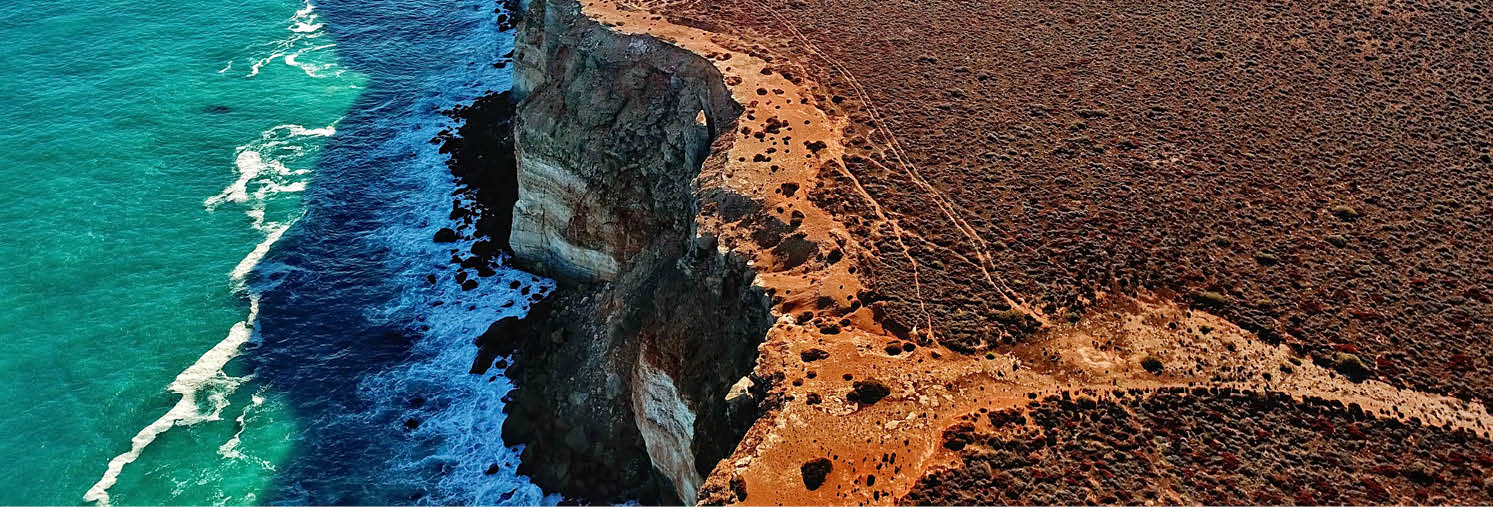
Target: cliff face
x: 611, y: 132
x: 683, y: 223
x: 623, y: 373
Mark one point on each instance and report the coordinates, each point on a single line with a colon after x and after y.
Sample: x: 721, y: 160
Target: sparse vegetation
x: 1152, y: 364
x: 1345, y: 212
x: 1011, y: 316
x: 1211, y: 298
x: 1350, y: 366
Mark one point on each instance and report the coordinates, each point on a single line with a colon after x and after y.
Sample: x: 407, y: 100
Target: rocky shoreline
x: 623, y: 372
x: 481, y: 160
x: 763, y: 298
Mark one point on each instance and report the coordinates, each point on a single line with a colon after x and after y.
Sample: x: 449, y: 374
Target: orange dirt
x: 973, y: 226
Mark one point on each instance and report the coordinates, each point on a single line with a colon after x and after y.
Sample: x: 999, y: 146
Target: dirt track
x: 1323, y: 166
x: 1039, y: 197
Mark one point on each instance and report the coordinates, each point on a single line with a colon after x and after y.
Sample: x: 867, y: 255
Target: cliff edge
x: 784, y: 285
x: 624, y: 372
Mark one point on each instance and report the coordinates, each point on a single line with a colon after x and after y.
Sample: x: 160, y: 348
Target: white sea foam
x: 304, y: 27
x: 311, y: 69
x: 272, y: 188
x: 250, y: 165
x: 305, y: 32
x: 205, y: 376
x: 306, y: 10
x: 297, y: 130
x: 247, y: 264
x: 262, y: 164
x: 461, y: 421
x: 229, y: 449
x: 205, y: 373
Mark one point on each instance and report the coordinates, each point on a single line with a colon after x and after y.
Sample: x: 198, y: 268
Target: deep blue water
x: 149, y: 152
x: 218, y: 236
x: 347, y: 332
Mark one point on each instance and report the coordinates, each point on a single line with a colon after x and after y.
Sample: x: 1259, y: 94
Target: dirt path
x: 829, y: 359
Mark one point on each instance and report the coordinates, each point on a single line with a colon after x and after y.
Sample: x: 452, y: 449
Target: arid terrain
x: 1111, y: 251
x: 1322, y: 166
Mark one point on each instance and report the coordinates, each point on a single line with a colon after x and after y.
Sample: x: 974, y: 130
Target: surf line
x: 188, y: 384
x: 205, y: 372
x: 303, y: 27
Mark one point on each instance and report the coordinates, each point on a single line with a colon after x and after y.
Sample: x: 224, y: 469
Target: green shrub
x: 1209, y: 297
x: 1350, y: 366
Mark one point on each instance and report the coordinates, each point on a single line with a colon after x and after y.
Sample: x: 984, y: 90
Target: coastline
x: 481, y: 159
x: 364, y: 332
x: 683, y: 256
x: 898, y: 378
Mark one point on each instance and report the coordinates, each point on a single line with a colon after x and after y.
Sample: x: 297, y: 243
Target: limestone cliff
x: 611, y: 132
x: 623, y: 373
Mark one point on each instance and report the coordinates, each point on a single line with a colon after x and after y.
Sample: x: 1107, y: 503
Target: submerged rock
x: 445, y: 235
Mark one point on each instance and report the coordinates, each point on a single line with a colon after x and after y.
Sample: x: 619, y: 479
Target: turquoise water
x: 153, y: 154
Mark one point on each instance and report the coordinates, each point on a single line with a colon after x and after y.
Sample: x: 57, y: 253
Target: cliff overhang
x: 624, y: 378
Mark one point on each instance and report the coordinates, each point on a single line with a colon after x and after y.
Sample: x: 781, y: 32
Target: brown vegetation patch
x: 1203, y: 446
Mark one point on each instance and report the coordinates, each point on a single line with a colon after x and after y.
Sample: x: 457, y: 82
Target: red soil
x: 1002, y: 200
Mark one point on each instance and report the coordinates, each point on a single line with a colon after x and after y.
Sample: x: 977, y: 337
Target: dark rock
x: 868, y: 392
x: 1151, y: 364
x: 738, y: 488
x: 815, y: 472
x: 795, y: 250
x: 620, y: 113
x: 498, y: 340
x: 811, y: 355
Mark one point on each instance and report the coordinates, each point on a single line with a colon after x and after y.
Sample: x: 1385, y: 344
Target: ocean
x: 217, y: 256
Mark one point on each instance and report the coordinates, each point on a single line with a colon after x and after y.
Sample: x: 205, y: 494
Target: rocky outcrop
x: 623, y: 386
x: 624, y: 372
x: 611, y: 130
x: 667, y: 425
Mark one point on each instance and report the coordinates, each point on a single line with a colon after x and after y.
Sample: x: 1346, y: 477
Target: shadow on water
x: 330, y: 315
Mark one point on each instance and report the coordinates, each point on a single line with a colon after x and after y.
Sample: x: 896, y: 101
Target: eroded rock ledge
x: 624, y: 372
x: 611, y: 132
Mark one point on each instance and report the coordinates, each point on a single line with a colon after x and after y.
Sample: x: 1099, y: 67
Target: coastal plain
x: 1069, y: 252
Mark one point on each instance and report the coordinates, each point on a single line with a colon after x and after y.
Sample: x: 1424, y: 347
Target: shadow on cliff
x: 589, y: 359
x: 624, y: 372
